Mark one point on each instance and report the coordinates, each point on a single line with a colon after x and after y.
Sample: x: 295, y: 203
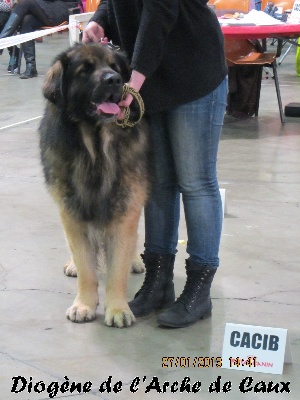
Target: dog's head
x: 86, y: 81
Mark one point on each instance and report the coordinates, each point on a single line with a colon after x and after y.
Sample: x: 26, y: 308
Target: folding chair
x: 244, y: 52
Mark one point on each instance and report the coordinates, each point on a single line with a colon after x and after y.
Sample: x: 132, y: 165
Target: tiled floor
x: 258, y: 281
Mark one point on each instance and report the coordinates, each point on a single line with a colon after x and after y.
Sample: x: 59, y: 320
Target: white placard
x: 295, y: 14
x: 255, y: 348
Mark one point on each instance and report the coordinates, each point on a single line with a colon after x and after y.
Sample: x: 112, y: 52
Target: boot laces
x: 151, y: 281
x: 153, y: 277
x: 193, y: 286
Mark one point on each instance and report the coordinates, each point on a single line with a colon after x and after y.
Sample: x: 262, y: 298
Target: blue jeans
x: 185, y: 142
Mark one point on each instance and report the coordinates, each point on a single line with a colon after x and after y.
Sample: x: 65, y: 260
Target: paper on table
x: 254, y: 17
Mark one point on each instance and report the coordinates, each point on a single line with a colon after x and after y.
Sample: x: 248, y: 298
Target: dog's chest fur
x: 94, y: 169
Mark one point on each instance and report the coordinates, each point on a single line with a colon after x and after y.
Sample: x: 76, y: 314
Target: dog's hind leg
x: 85, y: 259
x: 120, y: 248
x: 137, y: 266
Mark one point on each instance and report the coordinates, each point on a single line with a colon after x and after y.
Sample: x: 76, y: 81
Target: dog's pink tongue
x: 109, y: 108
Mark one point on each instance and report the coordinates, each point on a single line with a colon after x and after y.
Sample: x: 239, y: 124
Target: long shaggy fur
x: 96, y: 171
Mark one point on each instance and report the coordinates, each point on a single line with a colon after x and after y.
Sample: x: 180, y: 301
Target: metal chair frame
x: 244, y: 52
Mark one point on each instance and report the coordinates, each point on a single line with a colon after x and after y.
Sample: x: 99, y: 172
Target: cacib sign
x: 255, y: 348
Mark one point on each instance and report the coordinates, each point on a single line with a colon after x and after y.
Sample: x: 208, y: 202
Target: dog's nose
x: 111, y: 79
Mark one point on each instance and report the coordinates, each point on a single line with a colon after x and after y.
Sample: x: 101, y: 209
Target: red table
x: 261, y: 32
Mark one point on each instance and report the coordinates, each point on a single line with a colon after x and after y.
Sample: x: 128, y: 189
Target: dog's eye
x: 115, y: 67
x: 85, y: 69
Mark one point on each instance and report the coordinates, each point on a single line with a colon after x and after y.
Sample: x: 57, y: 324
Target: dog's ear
x: 123, y: 65
x: 52, y: 88
x: 53, y: 84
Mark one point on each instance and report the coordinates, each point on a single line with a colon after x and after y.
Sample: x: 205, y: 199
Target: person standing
x: 178, y: 65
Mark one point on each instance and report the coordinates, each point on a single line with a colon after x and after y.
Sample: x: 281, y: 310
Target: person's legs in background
x: 4, y: 16
x: 29, y: 24
x: 29, y: 16
x: 23, y: 8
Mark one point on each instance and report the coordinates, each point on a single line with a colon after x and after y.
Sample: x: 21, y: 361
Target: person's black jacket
x: 176, y: 44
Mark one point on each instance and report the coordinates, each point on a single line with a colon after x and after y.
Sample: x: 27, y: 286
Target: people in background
x: 258, y: 5
x: 5, y: 10
x: 270, y: 9
x: 30, y: 15
x: 178, y: 65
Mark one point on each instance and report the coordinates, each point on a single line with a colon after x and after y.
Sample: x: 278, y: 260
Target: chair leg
x: 285, y: 54
x: 258, y: 92
x: 274, y: 66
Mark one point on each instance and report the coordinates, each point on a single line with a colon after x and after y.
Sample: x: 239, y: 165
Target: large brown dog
x: 96, y: 171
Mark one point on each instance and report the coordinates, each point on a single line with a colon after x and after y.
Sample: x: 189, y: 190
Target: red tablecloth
x: 261, y: 32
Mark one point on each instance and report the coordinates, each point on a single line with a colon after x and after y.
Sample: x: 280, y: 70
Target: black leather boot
x: 11, y: 26
x: 29, y: 55
x: 194, y: 302
x: 157, y: 290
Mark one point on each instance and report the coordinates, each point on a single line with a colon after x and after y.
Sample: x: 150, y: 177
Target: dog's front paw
x: 120, y: 318
x: 81, y: 313
x: 70, y: 268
